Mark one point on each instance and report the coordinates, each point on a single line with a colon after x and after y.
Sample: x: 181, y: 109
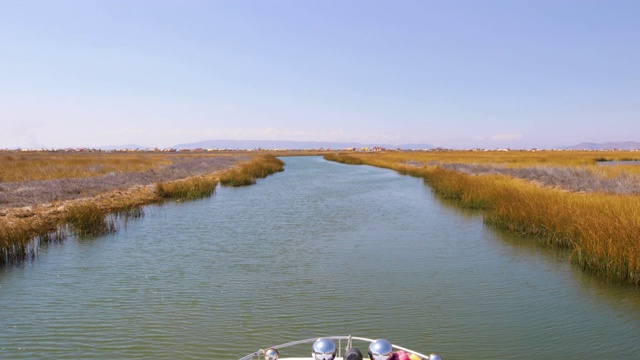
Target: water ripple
x: 320, y: 249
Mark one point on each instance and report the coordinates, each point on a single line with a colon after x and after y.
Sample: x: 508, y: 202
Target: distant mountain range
x: 619, y: 145
x: 302, y: 145
x: 291, y: 145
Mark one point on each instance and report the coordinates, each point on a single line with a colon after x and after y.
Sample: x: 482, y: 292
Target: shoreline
x: 591, y: 213
x: 42, y: 210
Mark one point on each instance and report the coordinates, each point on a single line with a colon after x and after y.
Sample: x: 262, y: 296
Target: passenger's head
x: 352, y: 354
x: 380, y: 349
x: 324, y: 349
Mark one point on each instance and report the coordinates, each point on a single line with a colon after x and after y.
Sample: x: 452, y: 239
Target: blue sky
x: 456, y: 74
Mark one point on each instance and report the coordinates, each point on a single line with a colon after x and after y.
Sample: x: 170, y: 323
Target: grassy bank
x: 22, y: 229
x: 188, y: 189
x: 246, y: 173
x: 602, y: 229
x: 30, y: 166
x: 343, y: 159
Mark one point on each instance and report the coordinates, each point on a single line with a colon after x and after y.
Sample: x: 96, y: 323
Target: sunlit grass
x: 602, y: 229
x: 28, y: 166
x: 343, y: 159
x: 505, y: 158
x: 22, y: 229
x: 188, y: 189
x: 246, y: 173
x: 20, y: 237
x: 88, y: 219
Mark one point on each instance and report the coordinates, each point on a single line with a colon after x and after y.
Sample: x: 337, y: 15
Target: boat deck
x: 345, y: 341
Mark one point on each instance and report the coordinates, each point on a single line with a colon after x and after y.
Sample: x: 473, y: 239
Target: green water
x: 320, y: 249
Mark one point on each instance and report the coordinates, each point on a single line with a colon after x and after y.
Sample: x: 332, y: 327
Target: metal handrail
x: 339, y: 338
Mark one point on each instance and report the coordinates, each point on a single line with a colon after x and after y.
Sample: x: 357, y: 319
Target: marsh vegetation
x: 30, y: 179
x: 563, y: 198
x: 246, y: 173
x: 47, y: 196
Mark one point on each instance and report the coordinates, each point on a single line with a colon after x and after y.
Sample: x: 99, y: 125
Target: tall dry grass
x: 23, y: 228
x: 19, y: 237
x: 246, y: 173
x: 28, y: 166
x: 504, y: 158
x: 188, y: 189
x: 343, y: 159
x: 602, y: 229
x: 88, y: 219
x: 21, y: 231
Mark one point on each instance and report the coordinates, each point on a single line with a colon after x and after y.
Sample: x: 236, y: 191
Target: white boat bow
x: 344, y: 343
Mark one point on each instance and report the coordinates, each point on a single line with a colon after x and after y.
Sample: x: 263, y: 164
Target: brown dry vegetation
x: 246, y: 173
x: 74, y: 176
x: 30, y: 166
x: 560, y: 197
x: 571, y: 178
x: 568, y: 170
x: 84, y: 190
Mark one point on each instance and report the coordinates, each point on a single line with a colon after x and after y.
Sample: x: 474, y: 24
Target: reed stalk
x: 20, y: 237
x: 188, y: 189
x: 246, y: 173
x: 88, y: 219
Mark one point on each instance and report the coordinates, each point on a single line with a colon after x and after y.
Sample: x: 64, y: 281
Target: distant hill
x: 124, y: 147
x: 290, y: 145
x: 620, y: 145
x: 315, y: 145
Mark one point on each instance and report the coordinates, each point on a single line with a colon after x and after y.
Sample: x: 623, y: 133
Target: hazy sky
x: 457, y: 74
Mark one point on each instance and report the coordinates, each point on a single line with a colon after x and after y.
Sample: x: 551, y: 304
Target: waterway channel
x: 319, y: 249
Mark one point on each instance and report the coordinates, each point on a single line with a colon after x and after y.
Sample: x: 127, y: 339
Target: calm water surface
x: 320, y: 249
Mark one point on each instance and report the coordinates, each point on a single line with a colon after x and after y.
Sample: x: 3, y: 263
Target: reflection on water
x: 319, y: 249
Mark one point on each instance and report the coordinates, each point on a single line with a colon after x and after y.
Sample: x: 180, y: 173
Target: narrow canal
x: 319, y: 249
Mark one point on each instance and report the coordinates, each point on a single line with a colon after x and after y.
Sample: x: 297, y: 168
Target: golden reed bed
x: 46, y: 196
x: 564, y: 198
x: 541, y: 194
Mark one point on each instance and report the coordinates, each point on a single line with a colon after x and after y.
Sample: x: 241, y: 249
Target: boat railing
x: 347, y: 340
